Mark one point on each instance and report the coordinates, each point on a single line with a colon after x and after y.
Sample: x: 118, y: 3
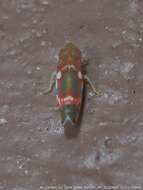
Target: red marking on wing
x: 62, y: 102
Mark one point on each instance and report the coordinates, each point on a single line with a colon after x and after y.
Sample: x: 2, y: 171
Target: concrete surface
x: 34, y: 154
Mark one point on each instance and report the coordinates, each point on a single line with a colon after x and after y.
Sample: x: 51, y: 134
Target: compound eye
x: 59, y: 75
x: 79, y: 75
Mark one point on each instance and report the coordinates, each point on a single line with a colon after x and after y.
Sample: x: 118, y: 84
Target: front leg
x: 84, y: 64
x: 52, y: 83
x: 92, y: 86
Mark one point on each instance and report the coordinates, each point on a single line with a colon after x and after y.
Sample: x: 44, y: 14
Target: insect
x: 69, y: 80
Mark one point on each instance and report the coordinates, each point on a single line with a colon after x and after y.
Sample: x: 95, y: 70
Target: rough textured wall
x: 34, y: 153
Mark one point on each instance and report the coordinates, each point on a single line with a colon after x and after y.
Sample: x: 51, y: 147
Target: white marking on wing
x: 69, y: 66
x: 79, y: 75
x: 59, y: 75
x: 68, y: 98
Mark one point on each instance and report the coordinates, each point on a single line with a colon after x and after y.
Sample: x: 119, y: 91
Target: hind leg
x: 97, y: 92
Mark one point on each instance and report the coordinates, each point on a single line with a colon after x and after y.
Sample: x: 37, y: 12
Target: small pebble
x: 26, y: 172
x: 33, y: 30
x: 124, y: 32
x: 44, y: 31
x: 29, y: 72
x: 12, y: 52
x: 3, y: 121
x: 38, y: 34
x: 28, y: 105
x: 103, y: 123
x: 91, y: 94
x: 35, y: 21
x: 44, y: 2
x: 43, y: 140
x: 43, y: 43
x: 38, y: 68
x: 20, y: 167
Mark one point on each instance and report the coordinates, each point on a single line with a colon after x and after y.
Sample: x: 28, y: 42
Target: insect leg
x: 92, y: 86
x: 52, y: 83
x: 85, y: 62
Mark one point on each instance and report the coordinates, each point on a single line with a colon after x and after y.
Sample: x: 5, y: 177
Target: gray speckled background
x: 109, y: 148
